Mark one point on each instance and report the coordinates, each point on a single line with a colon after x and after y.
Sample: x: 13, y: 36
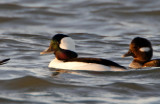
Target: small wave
x: 129, y: 88
x: 8, y: 19
x: 10, y: 6
x: 11, y: 101
x: 31, y: 83
x: 26, y: 82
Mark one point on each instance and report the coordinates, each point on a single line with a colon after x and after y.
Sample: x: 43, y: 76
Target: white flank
x: 145, y: 49
x: 81, y: 66
x: 67, y: 43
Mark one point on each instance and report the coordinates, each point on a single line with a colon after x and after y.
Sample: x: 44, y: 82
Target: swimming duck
x: 66, y: 58
x: 141, y: 51
x: 4, y: 61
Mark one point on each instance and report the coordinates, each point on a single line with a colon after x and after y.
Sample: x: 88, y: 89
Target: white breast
x: 81, y: 66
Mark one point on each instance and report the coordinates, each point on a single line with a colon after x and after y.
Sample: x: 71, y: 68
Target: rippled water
x: 100, y: 28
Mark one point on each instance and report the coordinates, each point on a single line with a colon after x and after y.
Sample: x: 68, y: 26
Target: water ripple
x: 101, y: 29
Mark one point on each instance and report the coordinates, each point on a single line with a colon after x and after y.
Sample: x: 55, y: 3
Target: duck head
x: 62, y: 46
x: 140, y: 49
x: 60, y: 41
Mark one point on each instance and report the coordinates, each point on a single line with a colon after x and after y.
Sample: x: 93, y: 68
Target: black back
x: 96, y: 61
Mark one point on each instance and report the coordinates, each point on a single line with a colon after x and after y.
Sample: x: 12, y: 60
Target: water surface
x: 100, y: 28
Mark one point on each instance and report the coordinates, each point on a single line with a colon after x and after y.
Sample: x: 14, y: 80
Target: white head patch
x: 145, y: 49
x: 67, y: 43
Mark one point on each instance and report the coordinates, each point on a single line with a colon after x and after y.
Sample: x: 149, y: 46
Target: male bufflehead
x: 141, y: 50
x: 4, y: 61
x: 66, y: 58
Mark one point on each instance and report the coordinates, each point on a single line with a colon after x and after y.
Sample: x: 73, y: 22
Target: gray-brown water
x: 100, y: 28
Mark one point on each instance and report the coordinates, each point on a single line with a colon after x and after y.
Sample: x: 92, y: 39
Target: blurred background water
x: 100, y: 28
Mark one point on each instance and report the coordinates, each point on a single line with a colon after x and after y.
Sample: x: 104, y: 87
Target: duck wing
x: 152, y: 63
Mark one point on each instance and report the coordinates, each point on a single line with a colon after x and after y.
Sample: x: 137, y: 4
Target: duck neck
x: 137, y: 63
x: 56, y: 48
x: 60, y: 55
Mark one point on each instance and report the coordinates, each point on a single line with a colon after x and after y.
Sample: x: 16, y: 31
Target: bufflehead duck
x: 4, y: 61
x: 66, y: 58
x: 141, y: 50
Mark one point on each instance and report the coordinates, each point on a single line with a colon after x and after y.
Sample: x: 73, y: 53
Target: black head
x: 58, y: 42
x: 58, y: 37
